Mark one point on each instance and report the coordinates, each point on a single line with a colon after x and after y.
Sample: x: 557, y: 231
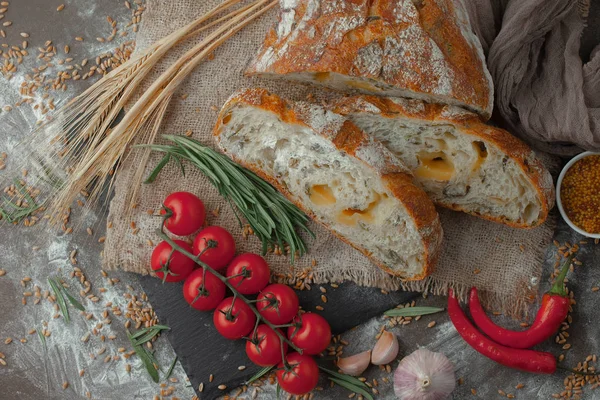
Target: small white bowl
x: 559, y: 202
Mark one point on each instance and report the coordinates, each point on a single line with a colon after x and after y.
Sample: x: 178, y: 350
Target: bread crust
x: 424, y: 47
x: 470, y: 124
x: 348, y: 138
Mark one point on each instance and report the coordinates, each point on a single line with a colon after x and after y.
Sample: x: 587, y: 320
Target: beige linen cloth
x: 505, y: 263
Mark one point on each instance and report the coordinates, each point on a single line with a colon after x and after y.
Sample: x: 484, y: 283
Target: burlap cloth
x: 505, y: 263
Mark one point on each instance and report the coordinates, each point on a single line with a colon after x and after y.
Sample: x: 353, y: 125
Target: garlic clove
x: 424, y: 375
x: 386, y: 349
x: 355, y: 365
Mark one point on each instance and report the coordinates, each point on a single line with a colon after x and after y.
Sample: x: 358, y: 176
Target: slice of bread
x: 405, y: 48
x: 461, y: 163
x: 338, y: 175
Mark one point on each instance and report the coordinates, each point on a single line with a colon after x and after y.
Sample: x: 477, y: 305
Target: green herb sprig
x: 60, y: 292
x: 274, y: 219
x: 349, y: 382
x: 412, y: 311
x: 262, y: 372
x: 138, y: 340
x: 13, y: 213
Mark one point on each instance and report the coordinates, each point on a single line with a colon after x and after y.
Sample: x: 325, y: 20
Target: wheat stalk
x: 81, y: 146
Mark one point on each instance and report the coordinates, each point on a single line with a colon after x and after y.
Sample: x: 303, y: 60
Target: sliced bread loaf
x: 338, y: 175
x: 462, y: 163
x: 404, y: 48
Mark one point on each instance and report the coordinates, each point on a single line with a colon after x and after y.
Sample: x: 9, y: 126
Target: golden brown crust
x: 348, y: 138
x: 470, y: 124
x: 425, y: 47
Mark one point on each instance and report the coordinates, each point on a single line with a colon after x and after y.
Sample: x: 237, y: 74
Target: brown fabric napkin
x: 505, y: 263
x: 544, y: 92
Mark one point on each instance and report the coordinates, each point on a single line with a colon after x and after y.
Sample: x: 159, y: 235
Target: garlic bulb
x: 355, y: 365
x: 424, y: 375
x: 386, y: 349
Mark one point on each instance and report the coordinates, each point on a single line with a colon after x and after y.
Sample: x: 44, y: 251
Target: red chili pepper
x: 552, y: 312
x: 524, y: 360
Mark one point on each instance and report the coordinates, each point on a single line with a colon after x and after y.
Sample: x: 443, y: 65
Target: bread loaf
x: 405, y: 48
x: 337, y: 174
x: 461, y: 163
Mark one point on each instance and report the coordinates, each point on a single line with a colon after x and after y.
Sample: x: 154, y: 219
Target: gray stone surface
x: 37, y: 372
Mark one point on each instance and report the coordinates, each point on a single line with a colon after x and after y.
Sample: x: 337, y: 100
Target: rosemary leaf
x: 73, y: 300
x: 147, y: 334
x: 412, y: 311
x: 170, y: 371
x: 42, y: 338
x: 346, y: 378
x: 352, y: 388
x: 146, y: 330
x: 147, y: 360
x: 278, y: 391
x: 147, y: 337
x: 259, y: 374
x: 274, y: 219
x: 16, y: 213
x: 60, y: 299
x: 154, y: 174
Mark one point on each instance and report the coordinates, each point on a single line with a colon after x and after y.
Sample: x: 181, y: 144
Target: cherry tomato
x: 278, y: 303
x: 264, y: 347
x: 300, y: 376
x: 253, y: 270
x: 185, y: 213
x: 171, y: 266
x: 312, y: 335
x: 234, y: 322
x: 217, y: 244
x: 207, y: 299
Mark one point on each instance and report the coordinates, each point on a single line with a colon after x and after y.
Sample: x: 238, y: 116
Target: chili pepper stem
x: 230, y: 286
x: 559, y: 284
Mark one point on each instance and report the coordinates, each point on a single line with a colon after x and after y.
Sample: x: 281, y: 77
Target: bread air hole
x: 322, y: 195
x: 481, y: 152
x: 362, y: 85
x: 321, y: 76
x: 434, y: 166
x: 351, y: 216
x: 226, y: 119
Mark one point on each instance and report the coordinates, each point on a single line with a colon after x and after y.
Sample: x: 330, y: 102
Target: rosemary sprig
x: 274, y: 219
x: 73, y: 300
x: 170, y: 371
x: 147, y: 334
x: 259, y: 374
x: 11, y: 212
x: 137, y: 341
x: 349, y: 382
x: 412, y: 311
x: 42, y: 338
x: 60, y: 299
x: 147, y: 361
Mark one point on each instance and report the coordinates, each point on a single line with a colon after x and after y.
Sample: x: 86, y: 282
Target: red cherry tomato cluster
x: 184, y: 215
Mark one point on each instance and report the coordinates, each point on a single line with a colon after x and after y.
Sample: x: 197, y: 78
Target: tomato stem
x: 284, y: 325
x: 244, y: 274
x: 223, y: 279
x: 168, y: 213
x: 286, y: 366
x: 164, y: 268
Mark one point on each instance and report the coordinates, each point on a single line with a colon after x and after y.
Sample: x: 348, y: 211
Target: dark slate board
x: 202, y: 351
